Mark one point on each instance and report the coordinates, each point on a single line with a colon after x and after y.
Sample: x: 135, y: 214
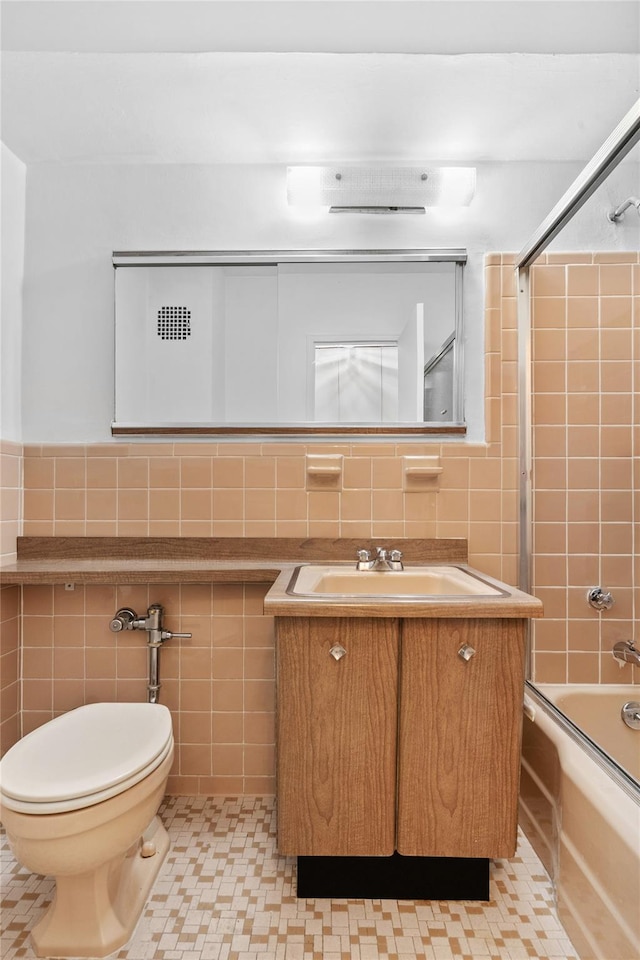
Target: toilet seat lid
x: 86, y: 751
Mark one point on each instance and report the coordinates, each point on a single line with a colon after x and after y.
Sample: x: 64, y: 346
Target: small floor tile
x: 225, y: 894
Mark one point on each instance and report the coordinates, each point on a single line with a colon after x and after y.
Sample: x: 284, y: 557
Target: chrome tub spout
x: 626, y: 652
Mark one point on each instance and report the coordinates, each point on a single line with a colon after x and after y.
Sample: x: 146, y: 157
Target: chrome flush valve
x: 127, y: 619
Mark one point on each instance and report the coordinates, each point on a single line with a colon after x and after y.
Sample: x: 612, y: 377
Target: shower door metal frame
x: 625, y: 136
x: 613, y: 150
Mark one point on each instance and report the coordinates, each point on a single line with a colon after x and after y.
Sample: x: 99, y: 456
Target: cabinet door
x: 336, y: 736
x: 460, y: 735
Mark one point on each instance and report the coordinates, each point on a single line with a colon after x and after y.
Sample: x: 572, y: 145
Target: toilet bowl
x: 78, y: 800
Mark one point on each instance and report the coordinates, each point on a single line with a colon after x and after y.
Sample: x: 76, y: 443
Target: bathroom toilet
x: 79, y: 798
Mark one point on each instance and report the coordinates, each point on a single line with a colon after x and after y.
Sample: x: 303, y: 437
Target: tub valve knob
x: 630, y: 713
x: 600, y: 599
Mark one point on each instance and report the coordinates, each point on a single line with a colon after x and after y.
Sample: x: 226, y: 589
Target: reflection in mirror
x: 355, y: 382
x: 438, y: 384
x: 363, y: 340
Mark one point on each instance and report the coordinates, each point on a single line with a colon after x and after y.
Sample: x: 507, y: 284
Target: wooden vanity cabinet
x: 460, y: 726
x: 336, y: 736
x: 400, y: 744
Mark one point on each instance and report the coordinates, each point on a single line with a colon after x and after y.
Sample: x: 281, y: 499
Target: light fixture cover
x: 358, y: 186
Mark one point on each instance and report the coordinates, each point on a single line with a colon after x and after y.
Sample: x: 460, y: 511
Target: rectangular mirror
x: 291, y: 342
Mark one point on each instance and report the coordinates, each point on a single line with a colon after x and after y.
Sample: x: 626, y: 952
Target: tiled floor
x: 224, y: 894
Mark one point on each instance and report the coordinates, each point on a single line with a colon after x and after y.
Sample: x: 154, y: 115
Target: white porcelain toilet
x: 78, y: 800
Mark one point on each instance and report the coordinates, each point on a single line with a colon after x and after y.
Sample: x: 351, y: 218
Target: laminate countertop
x: 117, y: 560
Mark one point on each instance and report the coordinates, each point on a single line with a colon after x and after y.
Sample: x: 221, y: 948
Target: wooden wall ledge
x: 49, y: 560
x: 234, y: 548
x: 265, y: 560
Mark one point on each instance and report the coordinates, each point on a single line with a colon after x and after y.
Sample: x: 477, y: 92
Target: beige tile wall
x: 10, y: 526
x: 259, y: 490
x: 220, y: 684
x: 10, y: 497
x: 9, y: 667
x: 586, y: 351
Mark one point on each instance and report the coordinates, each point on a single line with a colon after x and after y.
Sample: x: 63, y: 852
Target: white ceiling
x: 278, y: 81
x: 322, y: 26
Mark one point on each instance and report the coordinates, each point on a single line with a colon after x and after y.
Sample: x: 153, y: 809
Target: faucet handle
x: 600, y: 599
x: 364, y: 560
x: 395, y: 555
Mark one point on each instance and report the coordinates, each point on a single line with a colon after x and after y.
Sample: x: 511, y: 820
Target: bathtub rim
x: 607, y: 764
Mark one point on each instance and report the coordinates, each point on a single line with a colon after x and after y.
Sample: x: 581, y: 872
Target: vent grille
x: 174, y: 323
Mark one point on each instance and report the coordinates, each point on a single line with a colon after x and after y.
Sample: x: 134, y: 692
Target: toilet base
x: 85, y: 919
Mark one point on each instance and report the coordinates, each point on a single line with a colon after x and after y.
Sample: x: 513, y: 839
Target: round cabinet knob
x: 337, y: 651
x: 466, y: 652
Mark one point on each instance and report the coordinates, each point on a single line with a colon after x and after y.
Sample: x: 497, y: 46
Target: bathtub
x: 581, y: 814
x: 596, y: 710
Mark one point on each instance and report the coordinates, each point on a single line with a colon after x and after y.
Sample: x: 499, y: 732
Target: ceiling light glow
x: 392, y: 189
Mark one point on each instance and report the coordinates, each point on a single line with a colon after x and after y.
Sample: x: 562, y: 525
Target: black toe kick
x: 393, y: 878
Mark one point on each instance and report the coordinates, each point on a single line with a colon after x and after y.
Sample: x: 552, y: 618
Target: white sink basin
x: 426, y: 581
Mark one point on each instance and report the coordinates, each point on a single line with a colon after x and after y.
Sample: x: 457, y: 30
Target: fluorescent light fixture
x: 380, y: 189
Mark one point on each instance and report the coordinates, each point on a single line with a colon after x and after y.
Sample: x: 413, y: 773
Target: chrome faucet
x: 383, y: 560
x: 626, y: 652
x: 127, y: 619
x: 600, y: 599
